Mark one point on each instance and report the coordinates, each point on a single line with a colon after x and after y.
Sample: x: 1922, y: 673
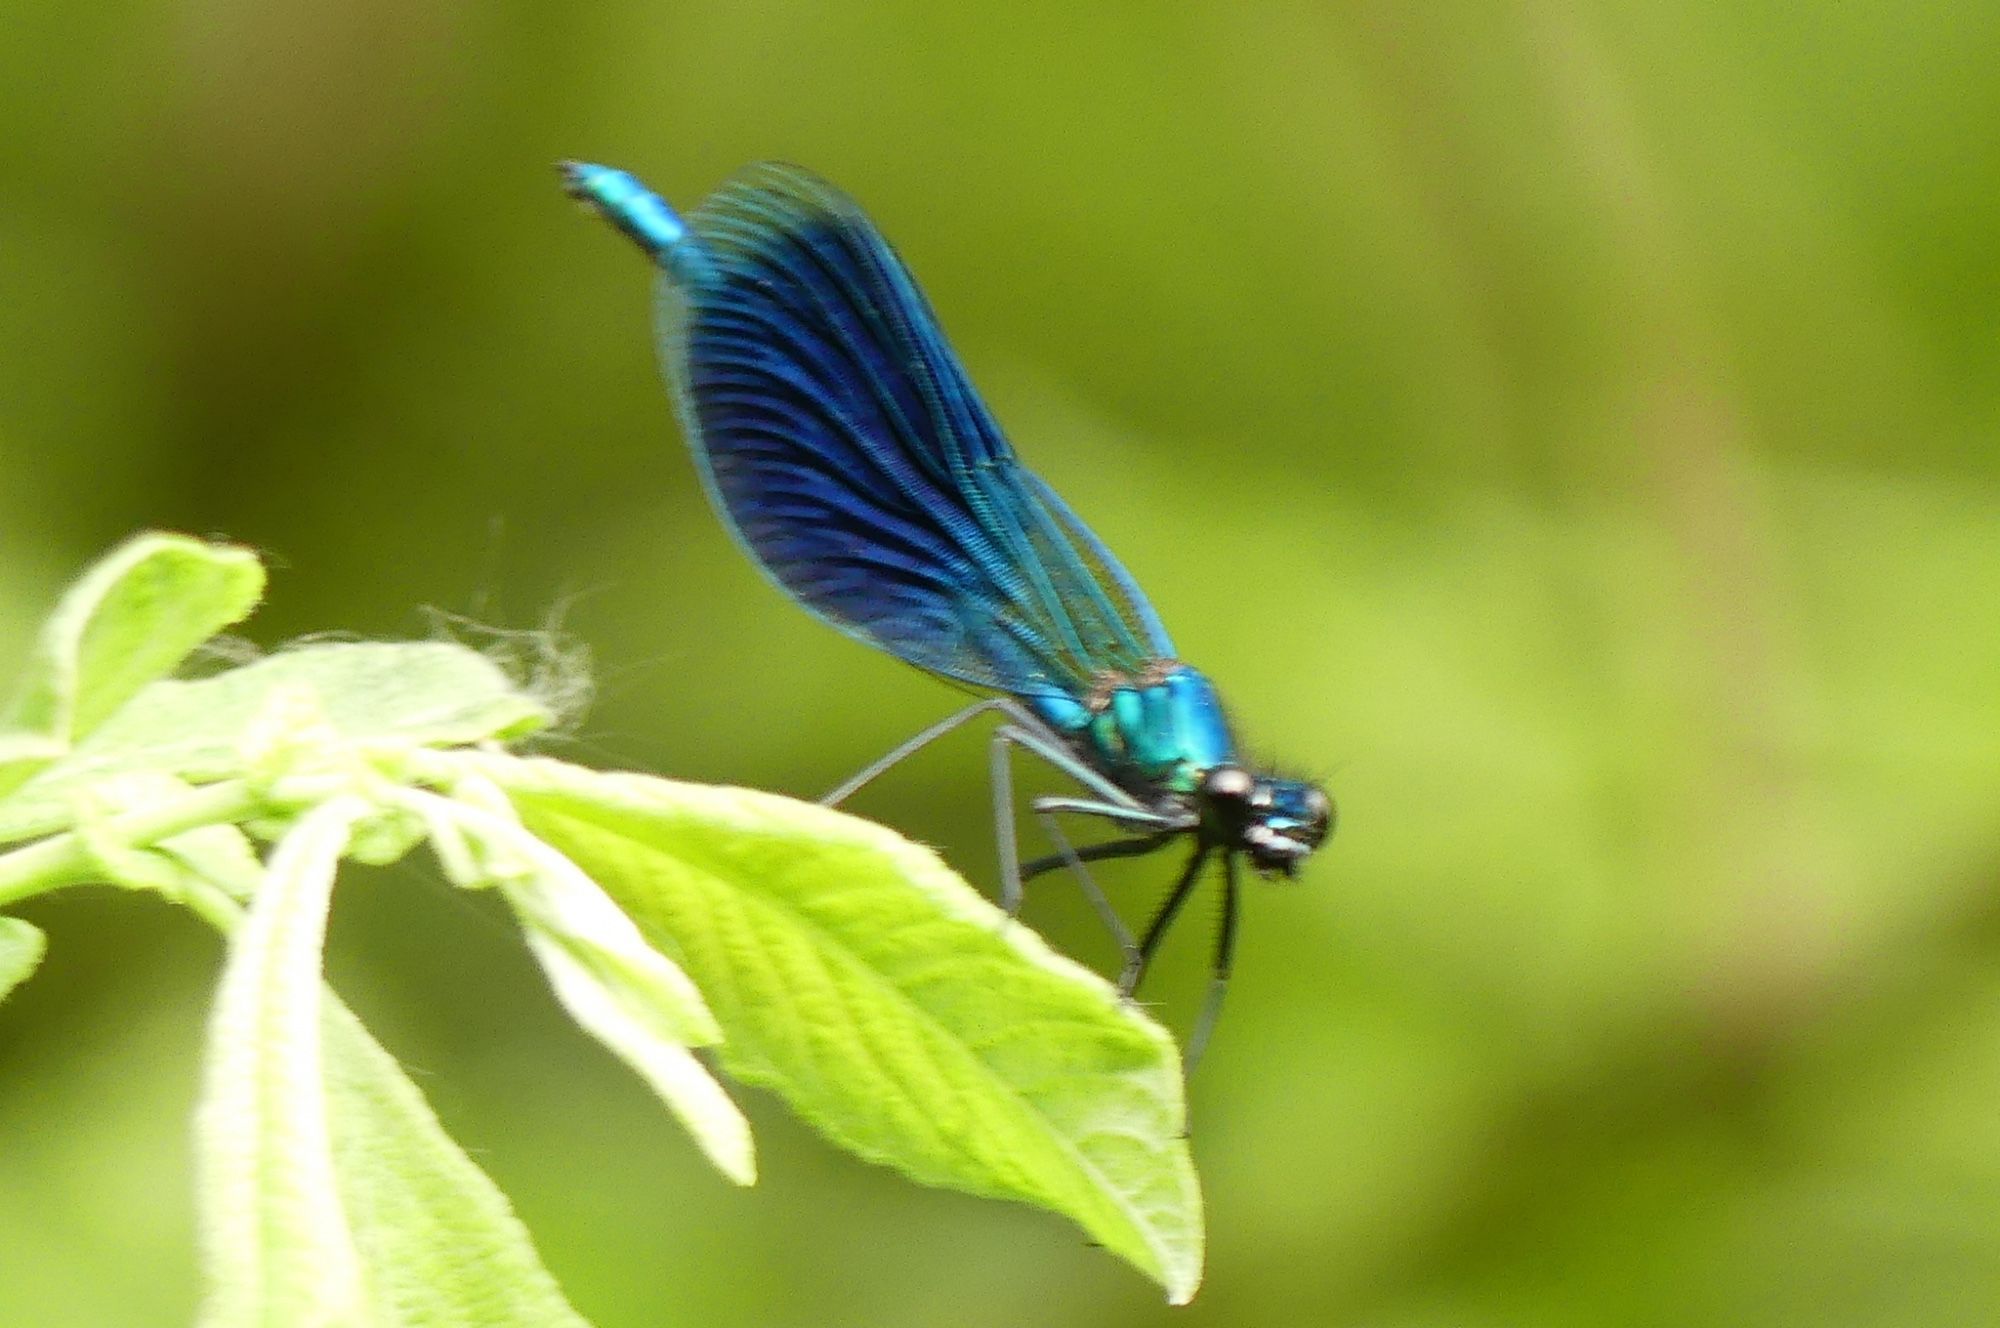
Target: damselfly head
x: 1278, y: 822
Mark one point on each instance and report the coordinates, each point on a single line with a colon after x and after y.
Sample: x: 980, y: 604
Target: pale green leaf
x: 275, y: 1236
x: 215, y: 855
x: 99, y: 809
x: 368, y: 694
x: 418, y: 1232
x: 619, y: 989
x: 22, y: 754
x: 21, y: 946
x: 222, y: 855
x: 439, y: 1245
x: 889, y: 1003
x: 132, y: 618
x: 637, y: 1003
x: 630, y: 1026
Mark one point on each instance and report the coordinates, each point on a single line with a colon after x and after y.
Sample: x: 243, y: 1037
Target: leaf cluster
x: 684, y: 927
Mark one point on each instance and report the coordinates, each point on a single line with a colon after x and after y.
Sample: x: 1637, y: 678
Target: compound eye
x: 1229, y: 782
x: 1319, y: 811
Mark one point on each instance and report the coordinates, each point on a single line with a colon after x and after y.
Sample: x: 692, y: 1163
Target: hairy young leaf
x: 634, y: 1000
x: 275, y: 1236
x: 889, y: 1003
x: 617, y: 986
x: 628, y: 1025
x: 440, y: 1247
x: 371, y: 694
x: 22, y: 754
x: 330, y: 1193
x: 21, y: 946
x: 130, y: 619
x: 219, y: 855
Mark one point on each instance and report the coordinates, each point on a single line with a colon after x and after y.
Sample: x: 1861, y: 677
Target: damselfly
x: 841, y: 441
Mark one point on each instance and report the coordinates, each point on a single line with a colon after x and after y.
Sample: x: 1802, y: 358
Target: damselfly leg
x: 1110, y: 848
x: 1218, y: 974
x: 1024, y: 730
x: 1154, y: 830
x: 1156, y: 930
x: 903, y: 751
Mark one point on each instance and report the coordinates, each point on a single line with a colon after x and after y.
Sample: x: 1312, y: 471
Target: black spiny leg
x: 1116, y: 848
x: 1218, y: 976
x: 1156, y: 930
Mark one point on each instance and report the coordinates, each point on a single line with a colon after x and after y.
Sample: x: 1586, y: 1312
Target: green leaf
x: 635, y: 1001
x: 132, y: 618
x: 215, y: 855
x: 221, y: 855
x: 22, y: 754
x: 613, y: 983
x: 21, y: 947
x: 439, y: 1245
x: 330, y: 1194
x: 275, y: 1236
x: 618, y: 988
x: 889, y: 1003
x: 383, y: 696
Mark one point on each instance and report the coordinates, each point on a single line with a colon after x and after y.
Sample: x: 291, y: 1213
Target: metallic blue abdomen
x: 1163, y: 733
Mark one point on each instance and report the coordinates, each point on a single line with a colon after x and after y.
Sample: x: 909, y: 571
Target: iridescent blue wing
x: 841, y: 439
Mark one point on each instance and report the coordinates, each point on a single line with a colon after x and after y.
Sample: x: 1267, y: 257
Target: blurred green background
x: 1573, y: 430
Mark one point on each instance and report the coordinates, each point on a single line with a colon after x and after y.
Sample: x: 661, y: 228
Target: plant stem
x: 65, y: 860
